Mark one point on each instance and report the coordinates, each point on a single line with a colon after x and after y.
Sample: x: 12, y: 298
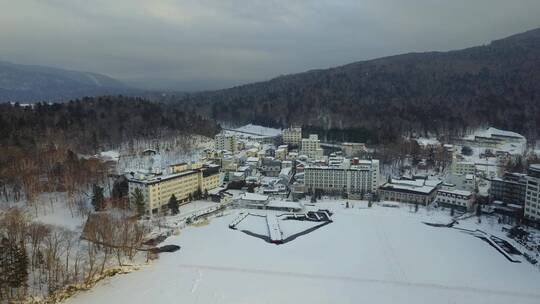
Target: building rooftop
x: 159, y: 178
x: 458, y: 192
x: 535, y: 167
x: 254, y: 197
x: 421, y: 186
x: 284, y: 204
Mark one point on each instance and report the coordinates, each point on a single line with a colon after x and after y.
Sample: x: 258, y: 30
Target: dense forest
x: 91, y: 124
x: 379, y: 100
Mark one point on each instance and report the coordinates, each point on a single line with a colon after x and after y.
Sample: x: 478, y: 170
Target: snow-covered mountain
x: 32, y: 83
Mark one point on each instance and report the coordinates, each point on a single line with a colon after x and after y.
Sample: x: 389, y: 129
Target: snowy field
x: 254, y: 131
x: 369, y: 255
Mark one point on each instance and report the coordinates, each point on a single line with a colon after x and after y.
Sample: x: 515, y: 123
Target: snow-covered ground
x: 54, y: 209
x: 259, y: 130
x: 427, y: 141
x: 254, y: 131
x: 375, y: 255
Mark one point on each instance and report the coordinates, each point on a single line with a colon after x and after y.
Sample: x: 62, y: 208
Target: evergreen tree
x: 138, y: 201
x: 21, y: 269
x: 452, y: 211
x: 98, y: 199
x: 120, y: 188
x: 13, y: 265
x: 198, y: 193
x: 173, y: 205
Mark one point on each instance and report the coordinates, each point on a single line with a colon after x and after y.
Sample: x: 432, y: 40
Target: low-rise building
x: 270, y: 167
x: 351, y: 149
x: 466, y: 182
x: 418, y: 191
x: 281, y: 153
x: 459, y: 199
x: 252, y: 200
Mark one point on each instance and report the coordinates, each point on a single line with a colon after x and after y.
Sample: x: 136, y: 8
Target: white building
x: 281, y: 152
x: 356, y: 177
x: 292, y: 136
x: 465, y: 182
x: 312, y: 147
x: 226, y: 142
x: 463, y: 167
x: 252, y: 200
x: 532, y: 197
x: 459, y: 199
x: 417, y: 191
x: 351, y: 149
x: 499, y: 140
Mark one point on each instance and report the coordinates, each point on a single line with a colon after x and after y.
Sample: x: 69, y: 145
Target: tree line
x: 377, y: 101
x: 91, y: 124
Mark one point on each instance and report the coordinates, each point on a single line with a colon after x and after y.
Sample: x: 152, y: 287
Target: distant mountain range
x: 32, y: 83
x: 417, y: 93
x: 435, y: 93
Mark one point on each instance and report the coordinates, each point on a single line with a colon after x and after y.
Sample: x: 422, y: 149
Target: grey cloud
x: 207, y: 44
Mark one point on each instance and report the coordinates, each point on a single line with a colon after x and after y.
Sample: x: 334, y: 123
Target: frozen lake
x: 376, y: 255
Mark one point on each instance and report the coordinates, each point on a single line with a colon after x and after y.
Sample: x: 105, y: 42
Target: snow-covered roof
x: 458, y: 192
x: 254, y: 131
x: 216, y: 191
x: 418, y: 185
x: 254, y: 197
x: 284, y: 204
x: 423, y: 141
x: 159, y: 178
x: 494, y: 132
x: 285, y: 171
x: 497, y: 132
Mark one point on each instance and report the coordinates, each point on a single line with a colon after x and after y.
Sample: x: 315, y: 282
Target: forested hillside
x: 378, y: 100
x: 90, y: 124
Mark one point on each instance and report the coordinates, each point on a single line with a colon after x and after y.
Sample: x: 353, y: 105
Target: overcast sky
x: 207, y: 44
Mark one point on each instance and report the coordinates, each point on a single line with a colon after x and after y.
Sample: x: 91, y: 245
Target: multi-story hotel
x: 532, y: 198
x: 352, y: 177
x: 311, y: 147
x: 292, y: 136
x: 184, y: 182
x: 226, y: 142
x: 510, y: 189
x: 463, y: 167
